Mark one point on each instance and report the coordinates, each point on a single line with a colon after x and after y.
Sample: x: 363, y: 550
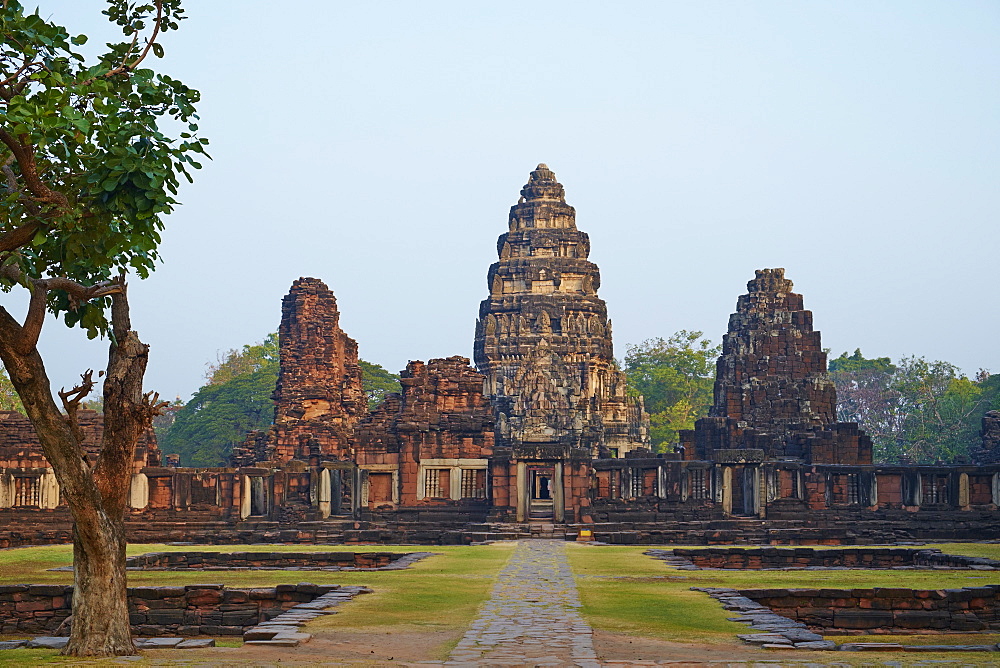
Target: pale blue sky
x: 379, y: 145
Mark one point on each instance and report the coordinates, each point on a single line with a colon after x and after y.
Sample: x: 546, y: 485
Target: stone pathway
x: 532, y: 616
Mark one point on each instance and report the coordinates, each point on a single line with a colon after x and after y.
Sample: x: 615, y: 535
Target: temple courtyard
x: 542, y: 602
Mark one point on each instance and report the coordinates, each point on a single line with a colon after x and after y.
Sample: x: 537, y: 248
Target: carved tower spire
x: 543, y: 336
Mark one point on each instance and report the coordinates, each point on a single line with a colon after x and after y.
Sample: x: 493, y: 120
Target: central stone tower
x: 543, y: 338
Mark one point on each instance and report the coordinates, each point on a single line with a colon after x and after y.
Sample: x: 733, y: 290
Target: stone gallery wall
x: 913, y: 610
x: 190, y: 610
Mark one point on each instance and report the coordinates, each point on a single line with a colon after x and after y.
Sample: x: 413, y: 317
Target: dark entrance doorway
x: 540, y: 486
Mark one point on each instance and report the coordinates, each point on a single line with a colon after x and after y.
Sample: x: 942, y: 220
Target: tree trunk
x: 97, y: 495
x: 100, y: 624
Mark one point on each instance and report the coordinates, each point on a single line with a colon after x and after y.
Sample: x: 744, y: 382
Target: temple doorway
x: 540, y: 485
x: 744, y: 490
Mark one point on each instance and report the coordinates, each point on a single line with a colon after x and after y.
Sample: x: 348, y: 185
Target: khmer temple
x: 540, y: 437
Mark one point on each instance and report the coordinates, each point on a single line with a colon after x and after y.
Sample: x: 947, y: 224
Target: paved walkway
x: 531, y: 617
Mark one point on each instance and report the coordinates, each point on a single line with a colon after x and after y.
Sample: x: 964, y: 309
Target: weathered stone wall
x: 988, y: 451
x: 749, y: 558
x: 189, y: 610
x: 318, y: 398
x: 21, y: 449
x: 967, y: 609
x: 26, y: 478
x: 773, y: 395
x: 430, y: 444
x: 262, y: 560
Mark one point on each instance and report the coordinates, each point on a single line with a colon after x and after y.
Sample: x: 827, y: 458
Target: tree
x: 914, y: 410
x: 87, y: 176
x: 857, y: 362
x: 236, y: 399
x: 252, y: 358
x: 9, y: 401
x: 378, y: 383
x: 219, y: 416
x: 676, y: 377
x: 942, y: 409
x: 866, y: 395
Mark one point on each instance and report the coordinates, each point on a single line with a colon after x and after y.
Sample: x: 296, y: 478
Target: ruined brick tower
x: 543, y: 338
x: 772, y: 390
x: 772, y: 372
x: 318, y: 398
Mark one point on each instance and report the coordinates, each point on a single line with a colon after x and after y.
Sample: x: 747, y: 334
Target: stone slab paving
x: 532, y: 616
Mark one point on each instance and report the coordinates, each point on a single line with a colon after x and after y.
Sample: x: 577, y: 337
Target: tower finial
x: 542, y: 185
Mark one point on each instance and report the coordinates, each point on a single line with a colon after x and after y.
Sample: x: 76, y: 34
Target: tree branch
x: 13, y: 77
x: 71, y: 402
x: 125, y: 67
x: 152, y: 38
x: 29, y: 332
x: 26, y: 161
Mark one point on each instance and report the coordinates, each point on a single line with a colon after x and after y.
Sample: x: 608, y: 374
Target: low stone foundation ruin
x: 271, y: 561
x: 885, y: 609
x: 190, y: 610
x: 763, y: 558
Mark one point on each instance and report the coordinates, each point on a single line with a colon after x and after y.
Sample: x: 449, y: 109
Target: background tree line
x: 914, y: 410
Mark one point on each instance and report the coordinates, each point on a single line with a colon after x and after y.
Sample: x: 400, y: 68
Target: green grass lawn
x: 626, y: 592
x: 441, y: 592
x: 622, y: 590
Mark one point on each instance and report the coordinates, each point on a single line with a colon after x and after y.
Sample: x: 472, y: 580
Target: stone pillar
x: 455, y: 483
x: 244, y: 497
x: 963, y: 491
x: 323, y: 493
x: 48, y: 490
x: 7, y: 490
x: 356, y: 497
x: 773, y: 484
x: 558, y: 494
x: 181, y: 487
x: 727, y: 490
x: 138, y: 497
x: 996, y: 489
x: 522, y: 491
x: 365, y: 487
x: 759, y: 490
x: 872, y: 481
